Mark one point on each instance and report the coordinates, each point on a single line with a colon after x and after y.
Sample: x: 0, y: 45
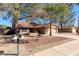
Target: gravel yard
x: 32, y: 46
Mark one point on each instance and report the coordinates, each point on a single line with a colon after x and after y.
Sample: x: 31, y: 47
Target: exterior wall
x: 54, y: 30
x: 24, y: 31
x: 73, y: 30
x: 47, y: 31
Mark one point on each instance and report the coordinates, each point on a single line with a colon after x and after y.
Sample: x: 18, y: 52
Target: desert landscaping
x: 31, y: 45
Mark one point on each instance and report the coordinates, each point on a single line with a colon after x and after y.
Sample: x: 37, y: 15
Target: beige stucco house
x: 43, y: 29
x: 54, y: 29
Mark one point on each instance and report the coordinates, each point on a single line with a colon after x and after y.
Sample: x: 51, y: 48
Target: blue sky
x: 8, y: 21
x: 76, y: 10
x: 5, y: 22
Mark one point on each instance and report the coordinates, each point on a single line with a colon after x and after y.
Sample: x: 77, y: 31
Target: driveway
x: 67, y: 49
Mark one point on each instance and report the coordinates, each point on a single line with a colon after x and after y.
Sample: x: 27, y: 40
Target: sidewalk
x: 67, y: 49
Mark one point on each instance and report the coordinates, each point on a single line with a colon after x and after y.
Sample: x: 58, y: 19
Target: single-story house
x: 43, y: 29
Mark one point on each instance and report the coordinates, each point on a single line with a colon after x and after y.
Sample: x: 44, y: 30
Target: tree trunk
x: 61, y: 28
x: 14, y: 25
x: 50, y: 28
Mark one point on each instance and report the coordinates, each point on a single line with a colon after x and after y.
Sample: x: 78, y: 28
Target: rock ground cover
x: 31, y: 47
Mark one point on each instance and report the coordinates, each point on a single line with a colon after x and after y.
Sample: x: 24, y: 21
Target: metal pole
x: 17, y: 46
x: 17, y: 33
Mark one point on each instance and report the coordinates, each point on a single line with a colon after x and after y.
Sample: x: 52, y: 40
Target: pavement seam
x: 74, y: 51
x: 59, y: 52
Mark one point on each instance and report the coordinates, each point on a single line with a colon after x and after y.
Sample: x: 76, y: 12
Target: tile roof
x: 28, y: 25
x: 33, y: 25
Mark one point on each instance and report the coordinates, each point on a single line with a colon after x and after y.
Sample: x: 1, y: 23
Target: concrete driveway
x: 68, y: 49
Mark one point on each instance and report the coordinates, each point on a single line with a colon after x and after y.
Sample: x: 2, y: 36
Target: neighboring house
x: 68, y: 29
